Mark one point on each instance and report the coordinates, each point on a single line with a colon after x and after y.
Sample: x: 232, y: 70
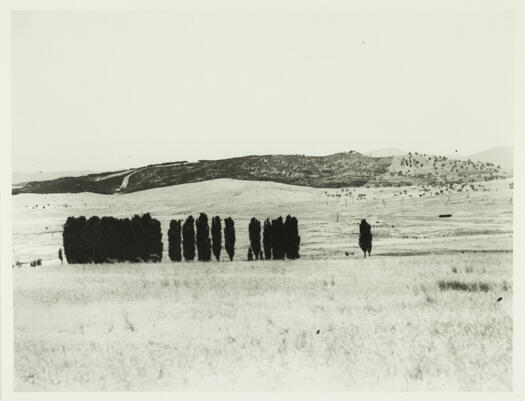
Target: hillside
x: 350, y: 169
x: 20, y: 178
x: 501, y: 155
x: 420, y: 168
x: 385, y: 152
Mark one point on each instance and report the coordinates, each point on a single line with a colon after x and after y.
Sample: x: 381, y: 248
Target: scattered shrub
x: 456, y: 285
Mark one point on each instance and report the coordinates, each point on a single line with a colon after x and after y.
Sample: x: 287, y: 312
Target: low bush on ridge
x: 457, y: 285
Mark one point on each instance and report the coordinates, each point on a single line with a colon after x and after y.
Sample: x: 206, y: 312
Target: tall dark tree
x: 93, y: 239
x: 74, y: 240
x: 203, y: 238
x: 365, y: 237
x: 216, y: 237
x: 278, y: 239
x: 136, y: 235
x: 188, y: 239
x: 127, y: 252
x: 106, y: 239
x: 174, y: 241
x: 267, y: 239
x: 153, y: 238
x: 254, y: 229
x: 229, y: 237
x: 291, y: 237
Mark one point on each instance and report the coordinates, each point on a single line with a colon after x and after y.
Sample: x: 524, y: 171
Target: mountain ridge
x: 502, y: 155
x: 344, y: 169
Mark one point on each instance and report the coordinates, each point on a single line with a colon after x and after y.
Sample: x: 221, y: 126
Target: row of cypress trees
x: 187, y: 238
x: 108, y: 239
x: 280, y: 239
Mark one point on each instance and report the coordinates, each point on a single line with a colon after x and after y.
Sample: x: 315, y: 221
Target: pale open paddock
x: 438, y: 318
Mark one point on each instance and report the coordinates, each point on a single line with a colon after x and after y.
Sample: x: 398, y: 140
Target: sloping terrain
x: 20, y: 178
x: 385, y: 152
x: 330, y: 320
x: 424, y: 169
x: 102, y: 183
x: 350, y: 169
x: 502, y: 155
x: 403, y: 219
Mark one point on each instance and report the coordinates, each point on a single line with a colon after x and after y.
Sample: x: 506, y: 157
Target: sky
x: 107, y: 90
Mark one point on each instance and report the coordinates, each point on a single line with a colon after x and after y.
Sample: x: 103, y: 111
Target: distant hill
x: 349, y: 169
x: 19, y: 178
x: 386, y: 152
x: 501, y: 155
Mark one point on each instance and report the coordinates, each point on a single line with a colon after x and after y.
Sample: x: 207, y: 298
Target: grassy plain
x: 402, y: 220
x: 431, y: 310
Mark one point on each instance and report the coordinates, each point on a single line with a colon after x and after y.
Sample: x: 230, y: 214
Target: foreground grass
x: 384, y: 323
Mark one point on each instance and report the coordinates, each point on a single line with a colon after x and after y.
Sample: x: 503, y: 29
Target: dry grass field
x: 431, y: 310
x: 402, y: 220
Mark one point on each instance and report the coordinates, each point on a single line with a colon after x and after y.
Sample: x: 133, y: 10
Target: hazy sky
x: 105, y: 90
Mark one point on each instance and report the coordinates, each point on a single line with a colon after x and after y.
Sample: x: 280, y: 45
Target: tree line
x: 191, y: 238
x: 139, y: 239
x: 109, y: 239
x: 280, y: 239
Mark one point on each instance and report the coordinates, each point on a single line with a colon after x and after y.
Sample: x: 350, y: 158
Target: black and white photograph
x: 261, y: 197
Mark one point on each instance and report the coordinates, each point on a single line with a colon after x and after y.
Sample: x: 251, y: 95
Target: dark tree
x: 250, y: 254
x: 93, y: 239
x: 136, y: 235
x: 174, y: 240
x: 126, y: 251
x: 216, y: 237
x: 60, y: 256
x: 229, y: 237
x: 203, y: 238
x: 267, y: 239
x: 153, y: 238
x: 74, y: 240
x: 254, y: 229
x: 106, y: 239
x: 188, y: 239
x: 365, y: 237
x: 278, y: 239
x: 292, y: 238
